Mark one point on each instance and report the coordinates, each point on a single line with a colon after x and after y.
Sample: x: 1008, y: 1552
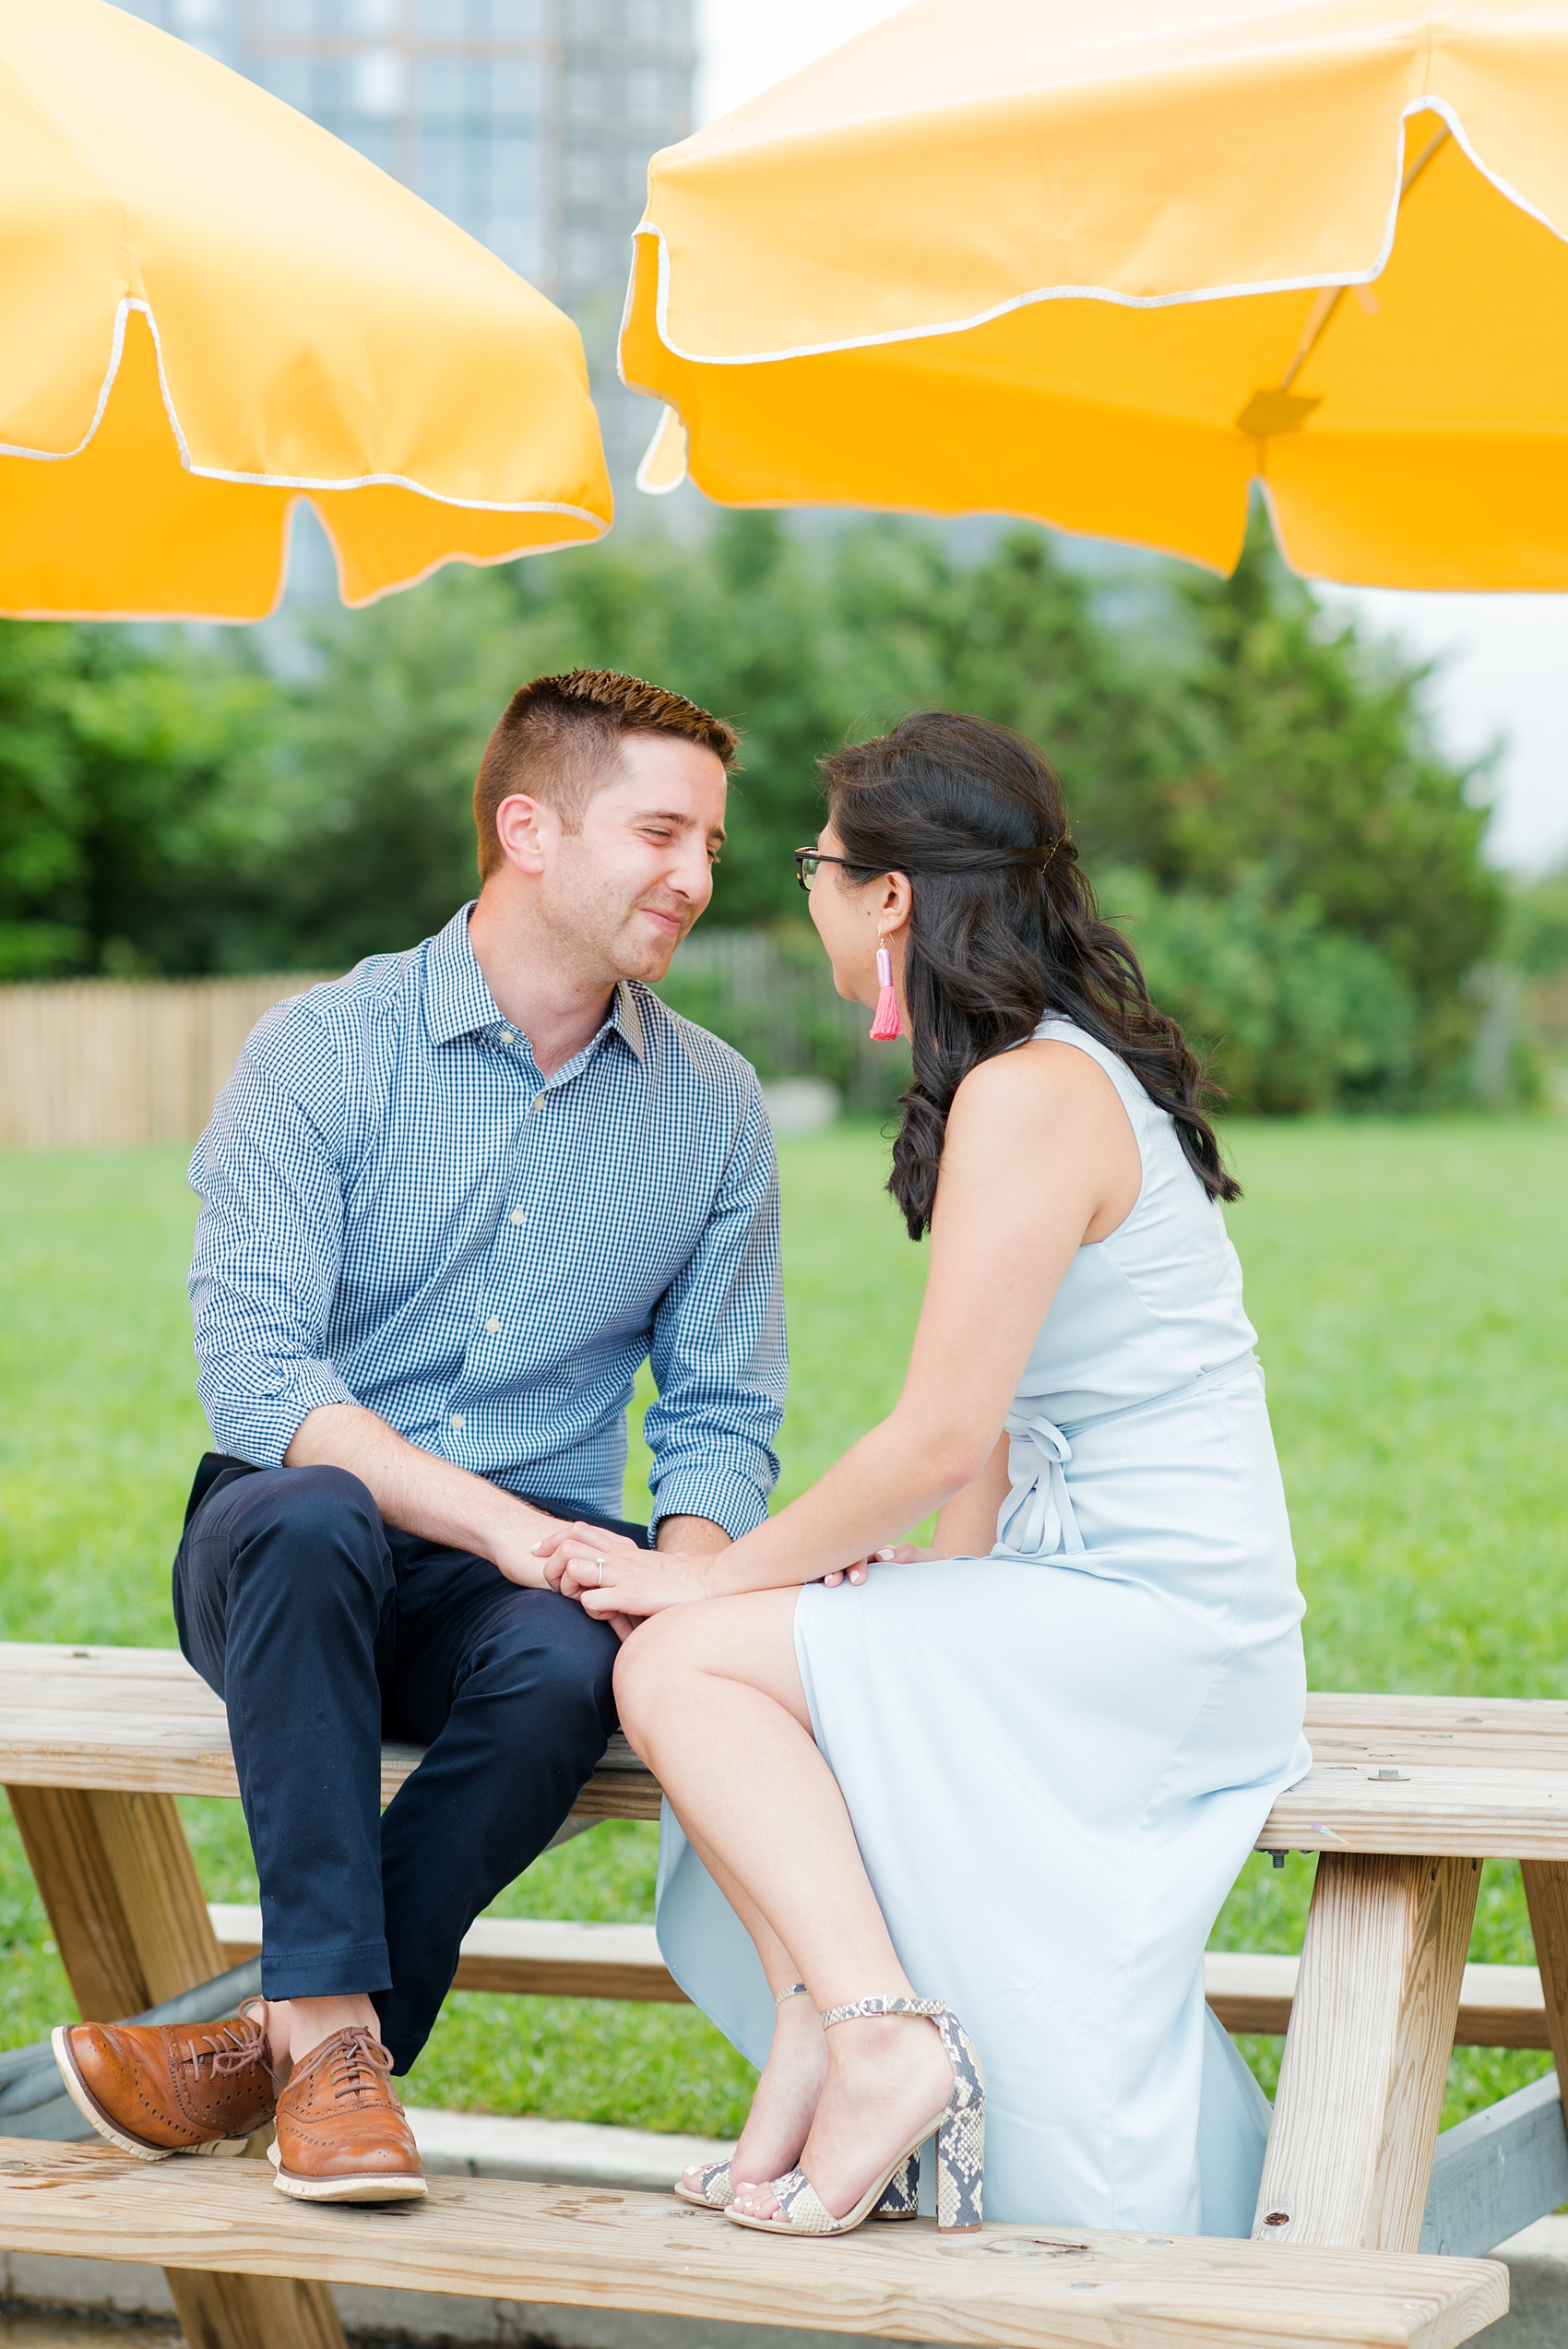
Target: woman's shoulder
x: 1045, y: 1077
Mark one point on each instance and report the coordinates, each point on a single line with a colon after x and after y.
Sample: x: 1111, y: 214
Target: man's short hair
x: 558, y: 739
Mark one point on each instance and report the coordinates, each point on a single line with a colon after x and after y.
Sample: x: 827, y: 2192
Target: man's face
x: 627, y: 886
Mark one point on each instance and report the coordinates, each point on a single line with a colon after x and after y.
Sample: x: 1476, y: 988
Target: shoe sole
x: 109, y: 2131
x: 697, y: 2201
x: 701, y: 2202
x: 370, y: 2188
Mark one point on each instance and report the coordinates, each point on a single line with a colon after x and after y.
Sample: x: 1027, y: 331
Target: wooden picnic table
x: 1405, y: 1797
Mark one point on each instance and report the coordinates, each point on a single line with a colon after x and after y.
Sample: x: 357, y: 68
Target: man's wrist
x: 692, y: 1537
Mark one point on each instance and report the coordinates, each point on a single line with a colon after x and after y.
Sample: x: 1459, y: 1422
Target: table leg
x: 1366, y: 2056
x: 130, y: 1921
x: 1546, y: 1890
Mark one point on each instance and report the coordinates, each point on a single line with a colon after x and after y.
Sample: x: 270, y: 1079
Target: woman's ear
x: 896, y: 901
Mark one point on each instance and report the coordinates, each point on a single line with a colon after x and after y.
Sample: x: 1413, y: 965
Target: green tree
x: 1305, y: 765
x: 118, y: 757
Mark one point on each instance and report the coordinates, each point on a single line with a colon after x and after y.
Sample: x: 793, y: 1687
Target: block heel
x: 959, y: 2129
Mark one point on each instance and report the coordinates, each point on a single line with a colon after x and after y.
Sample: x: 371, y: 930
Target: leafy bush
x: 1289, y: 1014
x: 1312, y: 894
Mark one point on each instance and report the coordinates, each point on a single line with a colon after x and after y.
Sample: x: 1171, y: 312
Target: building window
x: 289, y: 79
x: 583, y: 255
x: 515, y: 243
x: 378, y: 83
x: 645, y: 94
x: 582, y: 175
x: 439, y: 86
x: 585, y: 97
x: 441, y: 172
x: 514, y: 85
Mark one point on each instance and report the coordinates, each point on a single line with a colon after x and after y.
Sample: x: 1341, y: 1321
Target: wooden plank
x: 130, y: 1920
x: 1497, y: 2172
x: 140, y: 1720
x: 1499, y: 2005
x: 1034, y: 2287
x: 1360, y: 2085
x: 1546, y: 1890
x: 60, y: 1834
x: 530, y: 1957
x: 1457, y: 1776
x: 1460, y: 1810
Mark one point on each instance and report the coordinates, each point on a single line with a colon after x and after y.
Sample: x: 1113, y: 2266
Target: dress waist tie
x: 1037, y: 1518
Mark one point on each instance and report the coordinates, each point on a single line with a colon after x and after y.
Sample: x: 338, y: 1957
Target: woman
x: 1018, y: 1772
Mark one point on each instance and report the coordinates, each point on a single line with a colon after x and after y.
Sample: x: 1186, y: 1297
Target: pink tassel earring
x: 888, y: 1024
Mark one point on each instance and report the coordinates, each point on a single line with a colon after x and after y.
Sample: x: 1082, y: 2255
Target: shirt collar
x: 457, y: 1002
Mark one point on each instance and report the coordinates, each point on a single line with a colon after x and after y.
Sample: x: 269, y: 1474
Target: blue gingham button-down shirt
x: 398, y: 1211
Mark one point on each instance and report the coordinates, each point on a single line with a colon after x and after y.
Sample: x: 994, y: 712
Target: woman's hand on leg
x: 897, y: 1553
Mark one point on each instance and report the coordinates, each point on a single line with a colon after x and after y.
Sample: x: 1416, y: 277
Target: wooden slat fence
x: 102, y: 1062
x: 107, y: 1062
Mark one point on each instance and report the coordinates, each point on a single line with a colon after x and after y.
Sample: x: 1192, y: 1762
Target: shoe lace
x: 354, y: 2054
x: 232, y: 2048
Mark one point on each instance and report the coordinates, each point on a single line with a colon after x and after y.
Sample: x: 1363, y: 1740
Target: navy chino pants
x: 325, y: 1631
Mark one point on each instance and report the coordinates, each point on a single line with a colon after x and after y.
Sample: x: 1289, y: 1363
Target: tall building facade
x: 527, y: 121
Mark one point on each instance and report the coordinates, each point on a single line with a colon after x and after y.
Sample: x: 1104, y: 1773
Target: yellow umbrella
x: 212, y: 307
x: 1106, y: 266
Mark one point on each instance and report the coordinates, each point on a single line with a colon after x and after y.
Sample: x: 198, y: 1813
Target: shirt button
x: 456, y: 1419
x: 515, y: 1216
x: 492, y: 1325
x: 506, y: 1036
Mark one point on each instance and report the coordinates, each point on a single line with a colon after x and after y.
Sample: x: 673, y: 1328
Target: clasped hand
x: 618, y: 1581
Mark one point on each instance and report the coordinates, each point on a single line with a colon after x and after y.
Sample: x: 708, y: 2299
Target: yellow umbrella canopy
x: 1107, y: 266
x: 211, y: 308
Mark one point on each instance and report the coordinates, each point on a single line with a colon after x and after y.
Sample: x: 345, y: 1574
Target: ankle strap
x: 867, y: 2008
x: 793, y: 1990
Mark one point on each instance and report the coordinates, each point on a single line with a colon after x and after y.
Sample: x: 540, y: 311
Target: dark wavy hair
x: 1003, y: 928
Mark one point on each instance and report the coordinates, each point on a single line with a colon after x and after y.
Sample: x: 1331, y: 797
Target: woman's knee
x: 654, y: 1658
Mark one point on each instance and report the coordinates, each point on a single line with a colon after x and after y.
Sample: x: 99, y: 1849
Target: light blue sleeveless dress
x: 1057, y: 1757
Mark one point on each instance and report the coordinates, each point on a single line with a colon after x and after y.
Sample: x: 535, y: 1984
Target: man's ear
x: 526, y: 829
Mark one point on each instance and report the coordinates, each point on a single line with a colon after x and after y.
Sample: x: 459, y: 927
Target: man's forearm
x: 691, y: 1537
x: 420, y: 1493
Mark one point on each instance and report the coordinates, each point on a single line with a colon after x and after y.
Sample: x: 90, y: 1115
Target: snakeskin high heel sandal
x: 715, y: 2191
x: 960, y: 2141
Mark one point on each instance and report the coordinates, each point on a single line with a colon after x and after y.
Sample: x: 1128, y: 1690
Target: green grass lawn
x: 1407, y: 1282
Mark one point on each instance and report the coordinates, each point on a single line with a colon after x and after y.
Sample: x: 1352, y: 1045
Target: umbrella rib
x: 1326, y: 302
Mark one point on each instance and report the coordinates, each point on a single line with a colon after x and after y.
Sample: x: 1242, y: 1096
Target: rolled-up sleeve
x: 718, y: 1356
x: 268, y: 1240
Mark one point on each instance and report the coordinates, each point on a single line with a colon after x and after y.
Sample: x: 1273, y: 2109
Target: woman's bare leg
x: 791, y: 2079
x: 712, y: 1698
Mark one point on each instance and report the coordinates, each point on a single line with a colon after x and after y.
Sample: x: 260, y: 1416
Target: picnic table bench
x: 1031, y: 2287
x: 1405, y: 1797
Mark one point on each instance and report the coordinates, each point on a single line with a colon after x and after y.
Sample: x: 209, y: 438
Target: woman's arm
x: 1038, y: 1157
x: 967, y: 1526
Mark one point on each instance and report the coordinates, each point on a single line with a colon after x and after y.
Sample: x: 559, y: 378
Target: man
x: 449, y: 1205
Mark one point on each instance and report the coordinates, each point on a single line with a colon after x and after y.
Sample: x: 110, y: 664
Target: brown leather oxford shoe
x: 155, y: 2090
x: 342, y: 2136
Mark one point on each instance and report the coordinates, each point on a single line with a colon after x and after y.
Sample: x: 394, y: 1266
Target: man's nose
x: 693, y: 874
